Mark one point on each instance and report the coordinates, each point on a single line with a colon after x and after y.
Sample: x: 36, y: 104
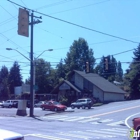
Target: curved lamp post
x: 9, y: 49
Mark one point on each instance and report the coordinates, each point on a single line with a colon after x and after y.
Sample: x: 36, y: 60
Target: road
x: 109, y: 121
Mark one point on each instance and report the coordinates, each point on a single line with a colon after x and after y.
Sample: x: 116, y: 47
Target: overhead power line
x: 83, y: 27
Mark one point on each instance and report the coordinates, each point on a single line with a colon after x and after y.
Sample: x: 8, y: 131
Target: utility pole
x: 32, y: 66
x: 31, y: 70
x: 23, y: 29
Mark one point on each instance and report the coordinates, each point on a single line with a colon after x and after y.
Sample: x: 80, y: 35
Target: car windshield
x: 80, y: 100
x: 56, y: 103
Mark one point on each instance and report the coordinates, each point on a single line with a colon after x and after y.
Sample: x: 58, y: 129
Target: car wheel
x: 72, y: 107
x: 10, y: 106
x: 55, y: 109
x: 89, y: 107
x: 78, y: 107
x: 83, y: 107
x: 2, y: 106
x: 43, y: 108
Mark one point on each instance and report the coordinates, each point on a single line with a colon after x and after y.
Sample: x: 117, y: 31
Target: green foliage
x: 42, y: 76
x: 132, y: 76
x: 114, y: 71
x: 77, y: 56
x: 15, y: 78
x: 61, y: 72
x: 4, y: 86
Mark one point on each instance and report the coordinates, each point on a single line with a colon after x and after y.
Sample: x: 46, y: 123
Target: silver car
x: 10, y: 135
x: 39, y: 104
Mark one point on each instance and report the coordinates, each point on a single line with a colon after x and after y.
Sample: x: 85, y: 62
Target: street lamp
x: 9, y: 49
x: 43, y: 52
x: 33, y: 76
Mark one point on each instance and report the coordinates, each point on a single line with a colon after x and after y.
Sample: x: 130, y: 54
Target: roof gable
x: 100, y: 82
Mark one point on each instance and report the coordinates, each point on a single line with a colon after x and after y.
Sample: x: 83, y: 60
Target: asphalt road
x: 109, y: 121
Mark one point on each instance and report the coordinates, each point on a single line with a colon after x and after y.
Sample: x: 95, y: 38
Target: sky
x: 110, y: 27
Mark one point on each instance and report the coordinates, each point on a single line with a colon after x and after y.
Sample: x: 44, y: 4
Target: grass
x: 97, y: 104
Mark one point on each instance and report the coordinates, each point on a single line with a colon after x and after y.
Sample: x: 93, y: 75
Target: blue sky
x: 115, y: 17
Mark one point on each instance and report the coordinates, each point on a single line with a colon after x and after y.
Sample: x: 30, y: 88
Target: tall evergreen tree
x: 119, y: 72
x: 132, y: 77
x: 15, y: 78
x: 78, y: 55
x: 4, y: 86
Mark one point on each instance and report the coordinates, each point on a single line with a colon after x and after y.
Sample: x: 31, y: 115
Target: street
x: 109, y: 121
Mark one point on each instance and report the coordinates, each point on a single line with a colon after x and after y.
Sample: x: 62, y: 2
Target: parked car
x: 10, y: 135
x: 39, y: 104
x: 10, y: 103
x: 1, y: 103
x: 53, y: 105
x: 136, y: 126
x: 86, y: 102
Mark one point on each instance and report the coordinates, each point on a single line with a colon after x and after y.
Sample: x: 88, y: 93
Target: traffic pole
x: 32, y: 70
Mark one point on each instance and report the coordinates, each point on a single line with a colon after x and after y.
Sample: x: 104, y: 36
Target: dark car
x: 86, y: 102
x: 53, y: 105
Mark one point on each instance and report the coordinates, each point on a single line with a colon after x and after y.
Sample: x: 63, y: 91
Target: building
x: 83, y: 84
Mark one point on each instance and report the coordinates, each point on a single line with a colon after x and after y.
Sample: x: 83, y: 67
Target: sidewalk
x: 11, y: 112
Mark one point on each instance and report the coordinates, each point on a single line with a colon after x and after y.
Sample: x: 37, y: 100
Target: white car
x: 39, y: 104
x: 9, y: 103
x: 10, y: 135
x: 1, y: 103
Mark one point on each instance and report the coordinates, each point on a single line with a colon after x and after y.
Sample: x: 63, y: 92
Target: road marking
x: 89, y: 120
x: 47, y: 136
x: 74, y: 135
x: 116, y: 130
x: 111, y: 112
x: 106, y: 120
x: 77, y: 118
x: 126, y: 120
x: 94, y: 134
x: 116, y: 123
x: 53, y: 117
x: 107, y: 132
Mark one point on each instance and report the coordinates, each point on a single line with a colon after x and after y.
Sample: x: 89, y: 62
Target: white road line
x: 126, y: 120
x: 115, y: 130
x: 116, y: 123
x: 77, y: 118
x: 66, y: 118
x: 109, y: 133
x: 123, y: 129
x: 74, y: 135
x: 89, y: 120
x: 106, y: 120
x: 95, y: 123
x: 94, y: 134
x: 53, y: 117
x: 47, y: 136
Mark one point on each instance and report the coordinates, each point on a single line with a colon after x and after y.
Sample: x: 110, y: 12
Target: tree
x: 78, y: 55
x: 132, y: 77
x: 42, y: 76
x: 15, y: 78
x: 114, y: 71
x: 4, y: 87
x: 61, y: 72
x: 119, y: 72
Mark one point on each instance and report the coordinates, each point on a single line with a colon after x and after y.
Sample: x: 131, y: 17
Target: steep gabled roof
x: 100, y: 82
x: 68, y: 83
